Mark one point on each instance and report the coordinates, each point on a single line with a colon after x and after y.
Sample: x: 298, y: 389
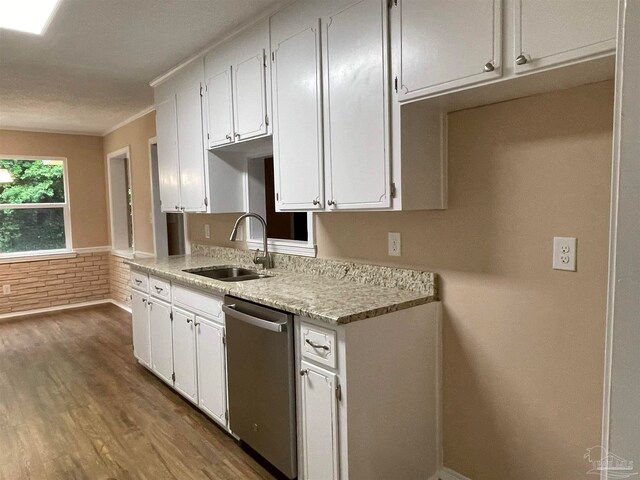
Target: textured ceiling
x: 92, y: 67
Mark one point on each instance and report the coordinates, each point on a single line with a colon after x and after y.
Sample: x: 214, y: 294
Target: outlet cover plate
x: 564, y: 253
x: 395, y: 244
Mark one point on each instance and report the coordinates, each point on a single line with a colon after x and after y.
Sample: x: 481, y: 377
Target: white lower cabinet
x: 140, y: 327
x: 212, y: 369
x: 319, y: 423
x: 184, y: 354
x: 161, y: 340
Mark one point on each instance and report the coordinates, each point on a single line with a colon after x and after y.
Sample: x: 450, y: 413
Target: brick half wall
x: 37, y: 284
x: 119, y: 280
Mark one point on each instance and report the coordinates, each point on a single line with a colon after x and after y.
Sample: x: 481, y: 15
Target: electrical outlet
x: 564, y: 253
x: 6, y: 289
x: 207, y: 230
x: 394, y: 244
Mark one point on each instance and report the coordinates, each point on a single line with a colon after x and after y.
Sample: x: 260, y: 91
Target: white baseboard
x: 448, y: 474
x: 124, y: 307
x: 40, y: 311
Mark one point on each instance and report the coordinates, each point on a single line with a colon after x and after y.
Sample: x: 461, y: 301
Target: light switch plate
x: 564, y: 253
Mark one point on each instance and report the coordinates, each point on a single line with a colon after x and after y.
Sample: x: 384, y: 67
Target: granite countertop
x: 319, y: 296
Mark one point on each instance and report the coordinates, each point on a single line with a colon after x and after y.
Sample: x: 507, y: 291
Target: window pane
x: 32, y: 181
x: 31, y: 229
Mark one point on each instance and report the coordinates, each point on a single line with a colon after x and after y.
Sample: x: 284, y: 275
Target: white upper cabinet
x: 238, y: 88
x: 297, y: 108
x: 191, y: 148
x: 181, y: 154
x: 168, y: 168
x: 184, y: 354
x: 355, y: 71
x: 249, y: 97
x: 552, y: 32
x: 445, y: 45
x: 220, y: 108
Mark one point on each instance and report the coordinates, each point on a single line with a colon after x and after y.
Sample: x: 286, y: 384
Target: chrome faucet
x: 264, y: 260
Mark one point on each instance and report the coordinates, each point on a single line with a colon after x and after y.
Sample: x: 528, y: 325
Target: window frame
x: 253, y: 237
x: 66, y: 208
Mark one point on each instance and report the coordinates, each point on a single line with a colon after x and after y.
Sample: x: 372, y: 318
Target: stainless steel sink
x: 227, y: 274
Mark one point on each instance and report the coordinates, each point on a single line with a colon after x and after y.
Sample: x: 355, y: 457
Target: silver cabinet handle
x: 331, y: 202
x: 137, y: 281
x: 315, y: 345
x: 158, y: 289
x: 196, y: 323
x: 521, y: 59
x: 304, y: 372
x: 144, y: 300
x: 189, y: 320
x: 228, y: 137
x: 316, y: 202
x: 277, y: 326
x: 237, y: 135
x: 489, y: 67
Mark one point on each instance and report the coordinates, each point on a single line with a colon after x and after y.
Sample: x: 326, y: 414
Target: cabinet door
x: 219, y: 109
x: 140, y: 327
x: 161, y: 340
x: 191, y: 148
x: 249, y: 97
x: 212, y: 379
x: 168, y: 169
x: 184, y: 354
x: 355, y: 52
x: 319, y: 423
x: 551, y: 32
x: 444, y: 45
x: 297, y: 127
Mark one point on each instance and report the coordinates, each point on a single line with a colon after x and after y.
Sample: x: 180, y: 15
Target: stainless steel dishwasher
x: 260, y: 363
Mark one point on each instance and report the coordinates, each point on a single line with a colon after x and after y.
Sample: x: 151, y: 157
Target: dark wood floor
x: 75, y: 405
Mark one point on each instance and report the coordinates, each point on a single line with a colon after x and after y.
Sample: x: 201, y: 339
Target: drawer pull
x: 304, y: 372
x: 138, y: 281
x: 158, y: 289
x: 315, y: 345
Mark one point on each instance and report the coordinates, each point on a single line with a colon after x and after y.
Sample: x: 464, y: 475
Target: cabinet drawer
x: 140, y: 281
x: 197, y: 302
x: 160, y: 288
x: 318, y: 344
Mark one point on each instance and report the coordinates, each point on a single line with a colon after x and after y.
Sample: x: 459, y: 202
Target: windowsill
x: 20, y: 257
x: 291, y: 247
x: 123, y: 253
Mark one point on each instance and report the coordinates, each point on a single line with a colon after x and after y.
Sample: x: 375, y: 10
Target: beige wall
x: 523, y: 344
x: 136, y: 135
x: 85, y: 172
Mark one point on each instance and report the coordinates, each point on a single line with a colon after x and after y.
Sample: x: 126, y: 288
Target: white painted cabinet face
x: 297, y: 127
x: 447, y: 44
x: 191, y: 148
x: 184, y: 354
x: 319, y: 423
x: 551, y: 32
x: 355, y: 52
x: 249, y: 97
x: 220, y: 109
x: 140, y: 325
x: 168, y: 169
x: 212, y: 386
x: 161, y: 340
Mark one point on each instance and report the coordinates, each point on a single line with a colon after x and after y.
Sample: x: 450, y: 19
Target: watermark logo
x: 609, y: 465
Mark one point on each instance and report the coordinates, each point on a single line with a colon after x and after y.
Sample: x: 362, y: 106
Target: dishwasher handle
x: 255, y: 321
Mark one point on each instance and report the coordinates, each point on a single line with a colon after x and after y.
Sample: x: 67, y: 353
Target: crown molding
x: 138, y: 115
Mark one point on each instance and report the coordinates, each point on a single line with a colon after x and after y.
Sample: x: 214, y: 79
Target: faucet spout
x: 264, y: 260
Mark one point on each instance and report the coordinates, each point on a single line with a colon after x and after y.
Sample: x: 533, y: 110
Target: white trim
x: 132, y: 118
x: 143, y: 254
x: 124, y: 152
x: 126, y: 308
x: 66, y: 207
x: 39, y: 256
x: 448, y: 474
x: 104, y: 248
x: 37, y: 311
x: 123, y: 253
x: 53, y: 132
